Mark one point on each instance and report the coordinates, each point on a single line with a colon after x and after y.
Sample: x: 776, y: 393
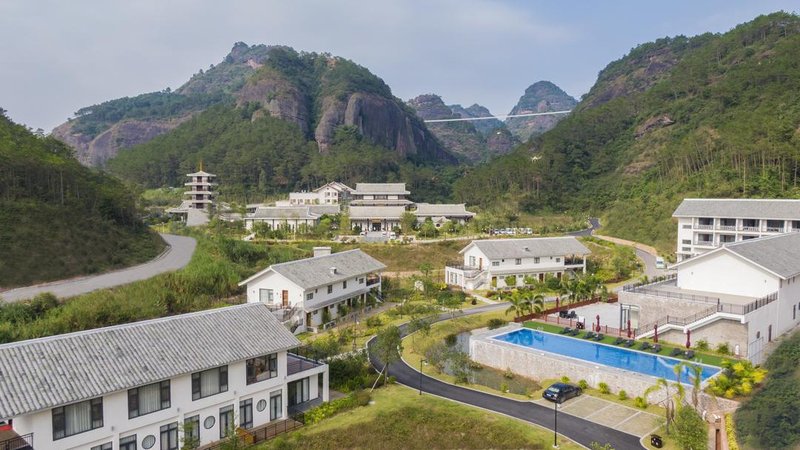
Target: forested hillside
x: 58, y: 218
x: 256, y: 155
x: 713, y: 115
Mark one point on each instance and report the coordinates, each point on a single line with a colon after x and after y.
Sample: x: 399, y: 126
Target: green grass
x: 401, y: 419
x: 666, y: 349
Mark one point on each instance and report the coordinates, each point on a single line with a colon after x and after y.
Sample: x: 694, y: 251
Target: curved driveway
x: 178, y: 253
x: 579, y: 430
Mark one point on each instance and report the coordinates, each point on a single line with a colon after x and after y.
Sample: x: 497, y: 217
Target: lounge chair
x: 575, y: 332
x: 689, y: 354
x: 656, y: 348
x: 618, y: 341
x: 566, y: 330
x: 675, y: 352
x: 629, y: 343
x: 589, y: 335
x: 645, y: 345
x: 599, y: 337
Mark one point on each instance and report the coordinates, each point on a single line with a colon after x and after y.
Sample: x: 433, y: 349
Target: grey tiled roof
x: 376, y: 212
x: 380, y: 188
x: 336, y: 185
x: 43, y: 373
x: 313, y: 272
x: 786, y: 209
x: 200, y: 174
x: 779, y: 254
x: 324, y: 209
x: 442, y: 209
x: 381, y: 202
x: 527, y: 248
x: 283, y: 213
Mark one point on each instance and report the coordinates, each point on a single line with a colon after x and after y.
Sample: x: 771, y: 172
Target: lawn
x: 401, y: 419
x: 666, y: 349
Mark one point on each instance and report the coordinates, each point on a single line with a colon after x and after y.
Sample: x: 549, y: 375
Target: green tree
x: 388, y: 347
x: 407, y: 222
x: 690, y: 430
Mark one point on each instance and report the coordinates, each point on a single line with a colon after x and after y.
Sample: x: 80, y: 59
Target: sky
x: 58, y: 56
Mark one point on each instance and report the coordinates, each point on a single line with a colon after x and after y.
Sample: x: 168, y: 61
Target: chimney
x: 333, y: 270
x: 321, y: 251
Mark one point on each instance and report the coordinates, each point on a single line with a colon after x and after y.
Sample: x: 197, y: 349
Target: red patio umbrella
x: 688, y: 338
x: 655, y: 335
x: 629, y: 328
x: 598, y: 323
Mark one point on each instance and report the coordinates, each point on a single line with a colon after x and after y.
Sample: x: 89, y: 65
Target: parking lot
x: 610, y: 414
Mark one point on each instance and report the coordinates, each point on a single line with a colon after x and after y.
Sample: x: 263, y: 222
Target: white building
x: 289, y: 217
x: 743, y: 293
x: 705, y: 224
x: 302, y: 292
x: 380, y: 194
x: 333, y: 193
x: 487, y: 263
x: 134, y: 386
x: 376, y: 218
x: 440, y: 213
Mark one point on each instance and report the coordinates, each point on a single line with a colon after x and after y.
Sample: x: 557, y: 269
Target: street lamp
x: 421, y: 361
x: 355, y: 333
x: 555, y: 426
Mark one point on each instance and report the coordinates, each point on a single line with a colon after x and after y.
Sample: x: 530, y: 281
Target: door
x: 285, y: 298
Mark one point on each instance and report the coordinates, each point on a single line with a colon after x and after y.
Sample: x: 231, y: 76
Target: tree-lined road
x: 177, y: 255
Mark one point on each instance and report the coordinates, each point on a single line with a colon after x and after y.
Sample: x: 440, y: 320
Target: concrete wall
x: 652, y: 307
x: 725, y: 273
x: 115, y: 409
x: 721, y: 331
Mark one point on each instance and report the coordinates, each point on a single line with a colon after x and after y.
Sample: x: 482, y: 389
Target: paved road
x: 176, y: 256
x: 579, y: 430
x: 594, y: 223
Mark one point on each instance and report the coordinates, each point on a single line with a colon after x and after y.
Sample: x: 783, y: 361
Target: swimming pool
x: 619, y: 357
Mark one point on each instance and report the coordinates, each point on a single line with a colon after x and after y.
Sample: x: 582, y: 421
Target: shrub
x: 450, y: 340
x: 391, y: 380
x: 622, y: 394
x: 496, y: 323
x: 702, y: 344
x: 508, y: 374
x: 690, y: 429
x: 331, y: 408
x: 583, y: 384
x: 603, y: 387
x: 723, y: 349
x: 503, y: 387
x: 565, y: 379
x: 733, y: 444
x: 640, y: 402
x: 737, y: 378
x: 437, y: 354
x: 374, y: 322
x: 511, y: 280
x: 474, y: 301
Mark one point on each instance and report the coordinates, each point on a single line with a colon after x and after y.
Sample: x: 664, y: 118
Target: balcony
x: 573, y: 261
x: 751, y: 229
x: 372, y: 280
x: 707, y: 243
x: 703, y: 227
x: 775, y: 229
x: 296, y: 363
x: 9, y: 440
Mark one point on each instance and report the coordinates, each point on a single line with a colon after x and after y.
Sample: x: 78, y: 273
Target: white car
x: 660, y: 264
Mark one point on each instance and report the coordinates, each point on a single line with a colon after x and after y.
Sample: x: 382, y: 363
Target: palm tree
x: 536, y: 304
x: 517, y: 303
x: 696, y: 377
x: 669, y: 405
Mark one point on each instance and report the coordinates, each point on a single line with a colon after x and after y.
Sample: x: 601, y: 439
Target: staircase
x: 674, y: 322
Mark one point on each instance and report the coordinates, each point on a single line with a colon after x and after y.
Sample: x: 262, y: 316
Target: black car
x: 559, y: 392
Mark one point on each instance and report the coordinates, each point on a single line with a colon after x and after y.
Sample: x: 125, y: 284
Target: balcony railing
x: 750, y: 229
x: 373, y: 280
x: 573, y: 261
x: 296, y: 363
x: 24, y: 442
x: 727, y: 227
x: 461, y: 266
x: 704, y: 242
x: 775, y: 229
x: 704, y: 227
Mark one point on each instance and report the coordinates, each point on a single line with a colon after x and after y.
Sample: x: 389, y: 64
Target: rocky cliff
x: 317, y: 92
x: 542, y: 96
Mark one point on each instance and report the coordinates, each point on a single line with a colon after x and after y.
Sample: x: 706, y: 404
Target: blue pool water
x: 619, y: 357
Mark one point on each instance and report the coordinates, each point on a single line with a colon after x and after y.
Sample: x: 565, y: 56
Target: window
x: 191, y: 430
x: 344, y: 284
x: 262, y: 368
x: 246, y: 413
x: 128, y: 442
x: 686, y: 226
x: 495, y: 263
x: 106, y: 446
x: 148, y: 442
x: 518, y: 261
x: 147, y: 399
x: 361, y: 280
x: 686, y: 241
x: 225, y: 421
x: 169, y: 436
x: 78, y: 417
x: 309, y: 296
x: 536, y: 260
x: 266, y: 295
x: 298, y: 392
x: 686, y: 249
x: 330, y: 288
x: 209, y: 382
x: 275, y: 405
x: 558, y: 259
